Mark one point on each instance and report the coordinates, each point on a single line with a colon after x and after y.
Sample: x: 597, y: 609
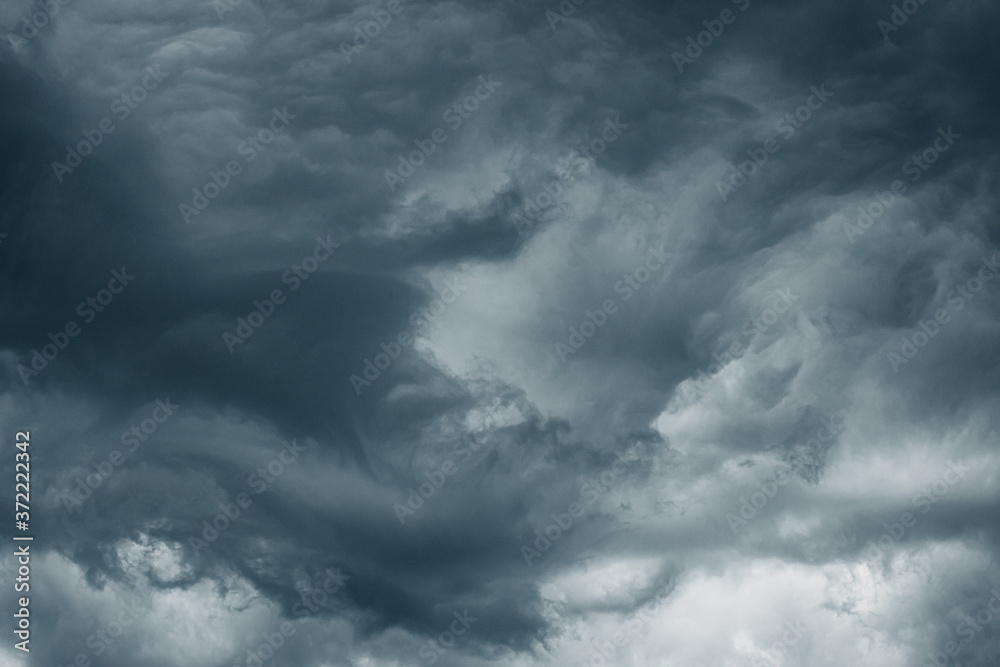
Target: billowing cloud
x: 502, y: 333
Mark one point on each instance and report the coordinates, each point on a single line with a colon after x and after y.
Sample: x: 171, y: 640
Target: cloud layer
x: 504, y: 333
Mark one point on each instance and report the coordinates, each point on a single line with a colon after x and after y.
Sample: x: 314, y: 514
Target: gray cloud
x: 702, y: 377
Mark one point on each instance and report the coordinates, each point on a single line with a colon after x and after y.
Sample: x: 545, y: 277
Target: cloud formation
x: 573, y: 284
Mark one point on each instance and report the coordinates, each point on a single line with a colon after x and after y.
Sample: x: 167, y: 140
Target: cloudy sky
x: 502, y: 333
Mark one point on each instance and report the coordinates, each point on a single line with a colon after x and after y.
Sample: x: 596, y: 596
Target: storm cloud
x: 503, y: 333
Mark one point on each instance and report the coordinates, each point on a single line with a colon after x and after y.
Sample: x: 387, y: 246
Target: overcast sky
x: 503, y: 333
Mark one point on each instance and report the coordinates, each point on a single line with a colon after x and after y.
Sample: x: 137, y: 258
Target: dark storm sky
x: 855, y: 359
